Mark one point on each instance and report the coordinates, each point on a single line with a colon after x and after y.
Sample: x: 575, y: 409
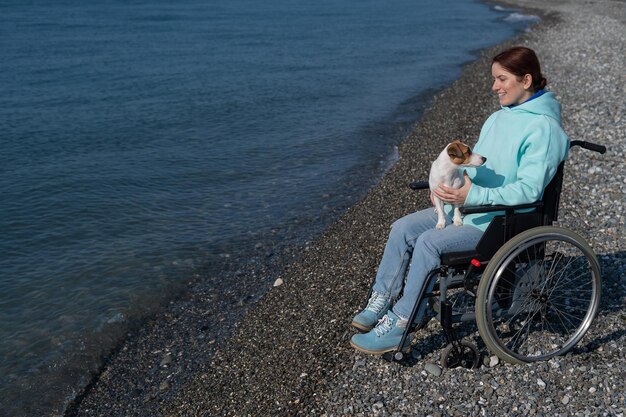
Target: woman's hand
x: 455, y: 196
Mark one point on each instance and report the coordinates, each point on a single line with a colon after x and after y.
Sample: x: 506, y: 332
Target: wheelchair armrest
x: 419, y: 185
x: 423, y: 185
x: 507, y: 209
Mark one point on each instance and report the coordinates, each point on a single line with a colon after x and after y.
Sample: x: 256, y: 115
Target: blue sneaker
x: 385, y: 337
x: 376, y: 308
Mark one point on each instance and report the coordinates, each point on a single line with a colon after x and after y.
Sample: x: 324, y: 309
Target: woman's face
x: 510, y: 89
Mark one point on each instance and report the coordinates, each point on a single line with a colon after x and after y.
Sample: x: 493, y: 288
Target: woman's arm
x: 540, y: 155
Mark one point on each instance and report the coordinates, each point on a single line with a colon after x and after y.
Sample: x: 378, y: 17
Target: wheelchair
x: 533, y: 289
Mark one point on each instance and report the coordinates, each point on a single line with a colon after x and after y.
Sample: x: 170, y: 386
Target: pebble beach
x: 289, y: 354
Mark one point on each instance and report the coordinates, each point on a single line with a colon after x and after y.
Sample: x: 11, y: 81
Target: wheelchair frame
x: 512, y: 278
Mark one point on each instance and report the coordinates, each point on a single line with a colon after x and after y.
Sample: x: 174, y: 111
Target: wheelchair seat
x: 461, y: 258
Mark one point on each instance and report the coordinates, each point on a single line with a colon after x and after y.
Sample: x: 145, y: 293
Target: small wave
x: 391, y: 159
x: 519, y: 17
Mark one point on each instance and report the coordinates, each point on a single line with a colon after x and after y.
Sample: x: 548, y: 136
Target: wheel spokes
x: 549, y: 301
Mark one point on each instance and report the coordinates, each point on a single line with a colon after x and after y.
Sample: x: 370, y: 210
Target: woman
x: 524, y: 144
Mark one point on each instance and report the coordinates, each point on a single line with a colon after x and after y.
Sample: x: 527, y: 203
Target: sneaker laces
x: 376, y: 303
x: 384, y: 326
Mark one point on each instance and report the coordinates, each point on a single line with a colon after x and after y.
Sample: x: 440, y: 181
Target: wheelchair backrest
x: 552, y: 196
x: 504, y: 227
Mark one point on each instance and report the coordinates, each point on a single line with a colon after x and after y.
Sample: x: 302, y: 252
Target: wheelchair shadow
x: 426, y: 348
x: 612, y: 301
x: 431, y: 340
x: 597, y: 343
x: 611, y: 267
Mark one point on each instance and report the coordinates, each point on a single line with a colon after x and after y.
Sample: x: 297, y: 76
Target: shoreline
x: 290, y: 351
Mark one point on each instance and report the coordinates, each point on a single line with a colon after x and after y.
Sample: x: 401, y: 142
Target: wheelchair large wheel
x: 538, y: 295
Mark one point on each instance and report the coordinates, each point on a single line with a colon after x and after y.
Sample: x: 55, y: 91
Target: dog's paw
x: 440, y: 225
x: 458, y: 222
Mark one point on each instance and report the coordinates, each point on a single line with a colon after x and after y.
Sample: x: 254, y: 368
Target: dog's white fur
x: 446, y: 169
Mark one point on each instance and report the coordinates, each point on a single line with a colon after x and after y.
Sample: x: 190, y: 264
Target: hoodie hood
x: 546, y: 105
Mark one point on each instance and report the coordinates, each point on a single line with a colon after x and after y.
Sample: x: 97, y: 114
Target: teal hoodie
x: 524, y: 146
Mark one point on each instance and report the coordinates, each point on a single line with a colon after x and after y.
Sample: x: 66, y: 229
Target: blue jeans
x: 414, y: 240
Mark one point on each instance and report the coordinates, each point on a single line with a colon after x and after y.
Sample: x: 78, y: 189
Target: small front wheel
x: 463, y: 353
x: 538, y: 295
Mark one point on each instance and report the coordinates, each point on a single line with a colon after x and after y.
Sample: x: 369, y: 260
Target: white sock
x: 402, y: 321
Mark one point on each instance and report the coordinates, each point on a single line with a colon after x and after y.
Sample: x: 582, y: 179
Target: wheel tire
x: 526, y: 286
x: 470, y: 356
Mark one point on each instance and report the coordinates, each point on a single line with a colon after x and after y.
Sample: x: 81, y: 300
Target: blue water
x: 145, y: 142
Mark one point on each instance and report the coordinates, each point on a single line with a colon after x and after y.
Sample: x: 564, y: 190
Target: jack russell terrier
x: 447, y: 170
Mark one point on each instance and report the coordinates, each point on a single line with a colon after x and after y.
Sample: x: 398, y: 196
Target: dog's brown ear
x: 455, y: 150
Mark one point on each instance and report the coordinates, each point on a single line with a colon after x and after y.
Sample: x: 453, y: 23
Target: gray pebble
x: 493, y: 361
x: 167, y: 360
x: 433, y: 369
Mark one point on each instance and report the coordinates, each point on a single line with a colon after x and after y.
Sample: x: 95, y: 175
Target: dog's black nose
x: 484, y: 159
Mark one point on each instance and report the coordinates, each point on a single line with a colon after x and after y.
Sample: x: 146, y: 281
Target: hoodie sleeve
x: 539, y: 155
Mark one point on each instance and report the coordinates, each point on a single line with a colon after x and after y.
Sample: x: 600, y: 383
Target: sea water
x: 144, y: 142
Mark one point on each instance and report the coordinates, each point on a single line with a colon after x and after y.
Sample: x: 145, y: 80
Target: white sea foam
x: 392, y: 159
x: 519, y: 17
